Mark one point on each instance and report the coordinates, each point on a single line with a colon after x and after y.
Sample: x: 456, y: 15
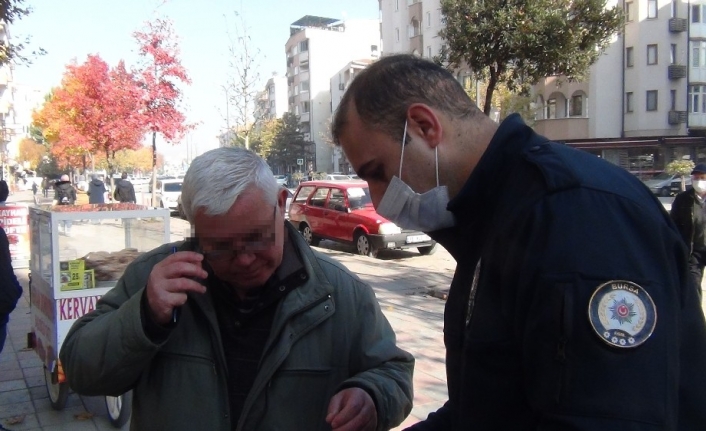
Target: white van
x: 168, y: 192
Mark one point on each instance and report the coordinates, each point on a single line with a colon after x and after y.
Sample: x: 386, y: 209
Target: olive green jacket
x: 327, y: 335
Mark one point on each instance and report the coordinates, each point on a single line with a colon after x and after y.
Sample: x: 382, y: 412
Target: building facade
x: 317, y: 49
x: 643, y: 104
x: 272, y: 103
x: 411, y: 26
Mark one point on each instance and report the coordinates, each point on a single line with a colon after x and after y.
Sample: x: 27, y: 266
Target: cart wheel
x: 119, y: 409
x: 58, y: 392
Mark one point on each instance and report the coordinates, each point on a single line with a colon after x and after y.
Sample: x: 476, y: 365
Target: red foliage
x: 161, y: 73
x: 95, y: 110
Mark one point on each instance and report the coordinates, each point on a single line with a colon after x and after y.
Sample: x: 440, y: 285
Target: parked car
x: 675, y: 186
x: 168, y: 193
x: 281, y: 180
x: 661, y: 184
x: 337, y: 177
x: 344, y: 212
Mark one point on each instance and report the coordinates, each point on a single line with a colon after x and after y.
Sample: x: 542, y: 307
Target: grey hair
x: 216, y: 178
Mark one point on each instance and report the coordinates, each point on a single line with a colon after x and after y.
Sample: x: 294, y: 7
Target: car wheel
x: 665, y: 192
x: 425, y: 251
x: 309, y: 236
x: 180, y: 211
x: 58, y: 392
x: 119, y: 409
x: 364, y: 246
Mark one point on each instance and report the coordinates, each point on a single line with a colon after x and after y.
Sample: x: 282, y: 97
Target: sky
x: 72, y: 29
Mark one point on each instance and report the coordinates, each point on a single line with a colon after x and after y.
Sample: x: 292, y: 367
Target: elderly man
x: 244, y: 327
x: 571, y: 306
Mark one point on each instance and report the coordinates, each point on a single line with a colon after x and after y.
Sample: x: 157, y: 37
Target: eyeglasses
x: 257, y: 241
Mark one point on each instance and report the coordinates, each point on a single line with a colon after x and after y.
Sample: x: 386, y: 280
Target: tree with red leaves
x: 161, y: 72
x: 96, y: 110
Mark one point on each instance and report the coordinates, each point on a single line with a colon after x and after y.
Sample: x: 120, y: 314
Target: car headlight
x: 388, y: 229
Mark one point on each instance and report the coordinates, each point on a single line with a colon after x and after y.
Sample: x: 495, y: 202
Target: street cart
x: 77, y: 254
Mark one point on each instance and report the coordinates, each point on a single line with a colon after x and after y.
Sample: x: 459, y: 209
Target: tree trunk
x: 154, y: 169
x: 492, y: 83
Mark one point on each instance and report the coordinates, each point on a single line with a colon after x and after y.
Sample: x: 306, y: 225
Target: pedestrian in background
x: 244, y: 326
x: 124, y: 190
x: 571, y: 306
x: 96, y: 191
x: 10, y: 288
x: 689, y: 213
x: 34, y: 192
x: 45, y: 187
x: 64, y: 194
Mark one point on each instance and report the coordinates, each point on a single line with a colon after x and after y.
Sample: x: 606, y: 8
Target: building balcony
x: 303, y: 57
x: 416, y: 44
x: 415, y: 11
x: 677, y: 25
x: 677, y: 71
x: 676, y: 117
x: 304, y: 116
x: 560, y: 129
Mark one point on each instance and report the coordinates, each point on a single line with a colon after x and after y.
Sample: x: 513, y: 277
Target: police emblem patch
x: 622, y: 313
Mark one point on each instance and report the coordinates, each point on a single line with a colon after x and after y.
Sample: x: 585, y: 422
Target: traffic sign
x: 300, y: 162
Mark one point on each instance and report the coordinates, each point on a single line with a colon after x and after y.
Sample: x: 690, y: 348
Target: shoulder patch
x: 622, y: 313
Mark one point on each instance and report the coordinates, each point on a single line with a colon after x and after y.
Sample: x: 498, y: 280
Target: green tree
x: 263, y: 137
x: 289, y: 144
x: 519, y: 42
x: 682, y: 168
x: 11, y: 11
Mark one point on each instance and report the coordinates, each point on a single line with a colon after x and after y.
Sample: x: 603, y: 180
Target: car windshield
x: 172, y: 187
x: 339, y: 177
x: 359, y: 197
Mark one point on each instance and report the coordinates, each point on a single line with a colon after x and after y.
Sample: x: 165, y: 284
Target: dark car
x: 343, y: 212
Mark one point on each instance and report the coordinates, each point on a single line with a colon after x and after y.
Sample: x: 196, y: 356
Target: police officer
x: 571, y: 307
x: 689, y: 213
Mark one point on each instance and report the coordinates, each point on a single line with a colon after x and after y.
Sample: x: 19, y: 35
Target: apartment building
x: 317, y: 49
x: 339, y: 84
x: 272, y: 102
x: 644, y: 102
x: 411, y: 26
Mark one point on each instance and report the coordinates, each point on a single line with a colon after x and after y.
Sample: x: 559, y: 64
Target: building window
x: 629, y: 57
x: 696, y: 13
x: 304, y: 86
x: 397, y: 4
x: 628, y: 11
x: 698, y: 53
x: 629, y: 102
x: 651, y: 100
x: 673, y: 100
x: 397, y: 35
x: 428, y: 19
x: 651, y: 9
x: 651, y: 54
x: 673, y: 54
x: 576, y: 107
x: 697, y: 99
x: 428, y: 51
x: 674, y: 9
x: 305, y: 107
x: 296, y: 70
x: 304, y: 45
x: 551, y: 109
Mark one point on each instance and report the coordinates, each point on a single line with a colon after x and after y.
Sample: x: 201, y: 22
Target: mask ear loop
x: 436, y: 155
x: 404, y: 141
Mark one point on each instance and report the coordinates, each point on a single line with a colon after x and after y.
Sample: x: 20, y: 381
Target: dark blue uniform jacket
x: 550, y: 224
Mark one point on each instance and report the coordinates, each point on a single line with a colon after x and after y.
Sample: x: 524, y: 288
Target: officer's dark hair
x: 4, y: 191
x: 383, y: 91
x: 124, y: 175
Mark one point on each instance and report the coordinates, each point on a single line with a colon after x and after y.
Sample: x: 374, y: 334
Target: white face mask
x: 411, y: 210
x: 699, y: 186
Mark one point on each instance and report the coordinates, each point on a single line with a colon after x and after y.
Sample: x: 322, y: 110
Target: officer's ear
x: 424, y: 122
